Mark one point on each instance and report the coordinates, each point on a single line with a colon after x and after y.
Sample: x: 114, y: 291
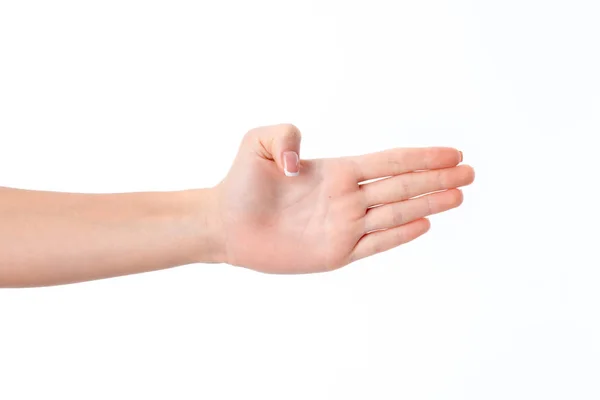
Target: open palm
x: 326, y: 216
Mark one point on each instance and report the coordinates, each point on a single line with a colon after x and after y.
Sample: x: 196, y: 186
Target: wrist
x: 202, y: 220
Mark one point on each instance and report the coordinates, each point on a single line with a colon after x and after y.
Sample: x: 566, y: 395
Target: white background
x: 500, y: 300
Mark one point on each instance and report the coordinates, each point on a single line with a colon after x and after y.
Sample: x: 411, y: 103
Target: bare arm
x: 273, y: 212
x: 51, y: 238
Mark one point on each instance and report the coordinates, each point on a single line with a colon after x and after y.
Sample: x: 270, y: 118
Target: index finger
x: 402, y: 160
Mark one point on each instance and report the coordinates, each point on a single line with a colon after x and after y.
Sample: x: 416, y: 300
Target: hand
x: 281, y: 215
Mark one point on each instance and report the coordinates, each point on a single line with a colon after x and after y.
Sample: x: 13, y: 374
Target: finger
x: 380, y: 241
x: 403, y: 160
x: 406, y: 186
x: 403, y: 212
x: 280, y: 143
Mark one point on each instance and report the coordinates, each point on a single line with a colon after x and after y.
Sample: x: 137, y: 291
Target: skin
x: 332, y: 212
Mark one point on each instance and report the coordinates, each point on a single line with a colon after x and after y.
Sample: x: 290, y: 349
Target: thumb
x: 280, y: 143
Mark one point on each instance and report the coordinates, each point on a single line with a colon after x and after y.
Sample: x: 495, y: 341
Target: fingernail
x: 461, y: 156
x: 290, y: 163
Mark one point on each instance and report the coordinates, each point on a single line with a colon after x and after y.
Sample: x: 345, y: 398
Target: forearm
x: 49, y: 238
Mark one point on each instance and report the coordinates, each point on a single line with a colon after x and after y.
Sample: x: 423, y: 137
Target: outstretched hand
x: 282, y: 214
x: 273, y: 212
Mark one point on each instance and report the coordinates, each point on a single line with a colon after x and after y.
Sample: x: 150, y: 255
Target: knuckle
x: 291, y: 131
x: 429, y: 158
x: 397, y: 215
x: 406, y: 188
x: 400, y: 236
x: 392, y: 161
x: 429, y: 205
x: 252, y: 133
x: 441, y: 178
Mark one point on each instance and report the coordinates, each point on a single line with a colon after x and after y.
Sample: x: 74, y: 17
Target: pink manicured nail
x: 290, y: 163
x: 461, y: 156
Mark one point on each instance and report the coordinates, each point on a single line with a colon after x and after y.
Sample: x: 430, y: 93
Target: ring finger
x: 400, y: 213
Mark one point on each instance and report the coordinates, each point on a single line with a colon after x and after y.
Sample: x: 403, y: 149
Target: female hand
x: 281, y: 215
